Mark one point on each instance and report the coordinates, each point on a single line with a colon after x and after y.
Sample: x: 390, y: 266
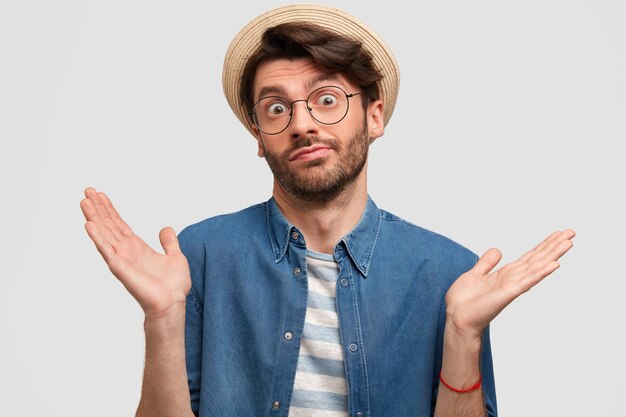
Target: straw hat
x: 248, y: 41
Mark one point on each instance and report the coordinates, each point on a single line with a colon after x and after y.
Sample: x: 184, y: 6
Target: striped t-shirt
x: 320, y: 388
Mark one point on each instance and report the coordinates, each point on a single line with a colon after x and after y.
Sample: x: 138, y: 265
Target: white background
x: 511, y: 123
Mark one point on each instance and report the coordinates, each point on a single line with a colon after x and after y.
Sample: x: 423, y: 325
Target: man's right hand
x: 159, y: 282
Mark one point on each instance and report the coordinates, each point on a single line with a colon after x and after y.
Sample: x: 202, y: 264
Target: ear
x: 375, y: 120
x: 259, y: 141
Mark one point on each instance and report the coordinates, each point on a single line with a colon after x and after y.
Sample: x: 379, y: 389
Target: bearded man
x: 315, y: 302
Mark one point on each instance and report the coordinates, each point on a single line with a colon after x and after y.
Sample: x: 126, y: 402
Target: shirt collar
x: 359, y: 243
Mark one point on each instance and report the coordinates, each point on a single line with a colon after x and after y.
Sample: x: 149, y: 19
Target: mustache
x: 310, y: 141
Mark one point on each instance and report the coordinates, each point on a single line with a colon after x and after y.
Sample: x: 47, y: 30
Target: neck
x: 324, y: 224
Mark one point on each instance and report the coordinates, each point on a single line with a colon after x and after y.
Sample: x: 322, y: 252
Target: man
x: 316, y: 302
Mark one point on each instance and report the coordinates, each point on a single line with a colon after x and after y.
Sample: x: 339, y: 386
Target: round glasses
x: 328, y: 105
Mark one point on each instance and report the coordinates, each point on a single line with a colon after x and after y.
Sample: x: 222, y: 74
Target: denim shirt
x: 249, y: 289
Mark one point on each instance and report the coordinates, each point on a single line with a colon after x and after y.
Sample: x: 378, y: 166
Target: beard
x: 323, y: 188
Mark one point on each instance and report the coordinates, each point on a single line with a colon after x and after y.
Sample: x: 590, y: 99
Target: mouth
x: 310, y: 152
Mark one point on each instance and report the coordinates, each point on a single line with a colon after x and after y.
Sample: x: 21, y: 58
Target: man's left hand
x: 479, y: 295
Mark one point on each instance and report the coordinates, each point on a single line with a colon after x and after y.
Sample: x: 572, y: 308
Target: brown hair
x: 331, y: 51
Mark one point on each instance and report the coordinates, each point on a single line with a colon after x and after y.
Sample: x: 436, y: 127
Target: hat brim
x: 248, y: 41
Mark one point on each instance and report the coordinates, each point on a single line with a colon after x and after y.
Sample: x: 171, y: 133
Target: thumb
x: 487, y: 262
x: 169, y: 241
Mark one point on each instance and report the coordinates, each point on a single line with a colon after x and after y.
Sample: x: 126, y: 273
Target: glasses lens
x: 328, y: 105
x: 272, y: 114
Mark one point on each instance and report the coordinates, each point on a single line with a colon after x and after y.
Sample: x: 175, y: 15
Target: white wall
x: 511, y: 123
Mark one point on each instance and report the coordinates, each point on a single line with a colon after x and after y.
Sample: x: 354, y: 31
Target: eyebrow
x: 280, y: 90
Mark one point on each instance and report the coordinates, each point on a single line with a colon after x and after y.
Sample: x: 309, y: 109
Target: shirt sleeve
x: 193, y: 250
x: 486, y: 363
x: 488, y: 384
x: 193, y: 349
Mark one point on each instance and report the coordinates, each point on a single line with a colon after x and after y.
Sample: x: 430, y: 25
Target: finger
x: 539, y: 247
x: 92, y: 216
x: 122, y: 226
x: 169, y: 241
x: 487, y: 262
x: 98, y: 211
x: 102, y: 244
x: 541, y: 268
x: 104, y: 218
x: 92, y: 195
x: 87, y: 205
x: 556, y: 251
x: 534, y: 277
x: 549, y: 248
x: 539, y: 274
x: 84, y: 207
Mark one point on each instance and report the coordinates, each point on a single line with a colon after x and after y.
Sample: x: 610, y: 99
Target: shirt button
x: 288, y: 335
x: 359, y: 414
x: 295, y: 235
x: 352, y: 347
x: 344, y: 282
x: 276, y: 405
x: 296, y: 271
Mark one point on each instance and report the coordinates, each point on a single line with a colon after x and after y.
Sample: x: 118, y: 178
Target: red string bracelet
x: 462, y: 391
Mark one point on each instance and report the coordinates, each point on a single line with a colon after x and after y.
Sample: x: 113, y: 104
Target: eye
x: 276, y: 109
x: 327, y: 99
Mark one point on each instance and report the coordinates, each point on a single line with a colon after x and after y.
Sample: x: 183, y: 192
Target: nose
x: 302, y: 123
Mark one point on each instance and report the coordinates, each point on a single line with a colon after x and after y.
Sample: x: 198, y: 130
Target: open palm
x: 479, y: 295
x: 159, y: 282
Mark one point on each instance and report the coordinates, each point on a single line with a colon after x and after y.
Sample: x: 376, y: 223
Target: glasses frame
x: 252, y: 114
